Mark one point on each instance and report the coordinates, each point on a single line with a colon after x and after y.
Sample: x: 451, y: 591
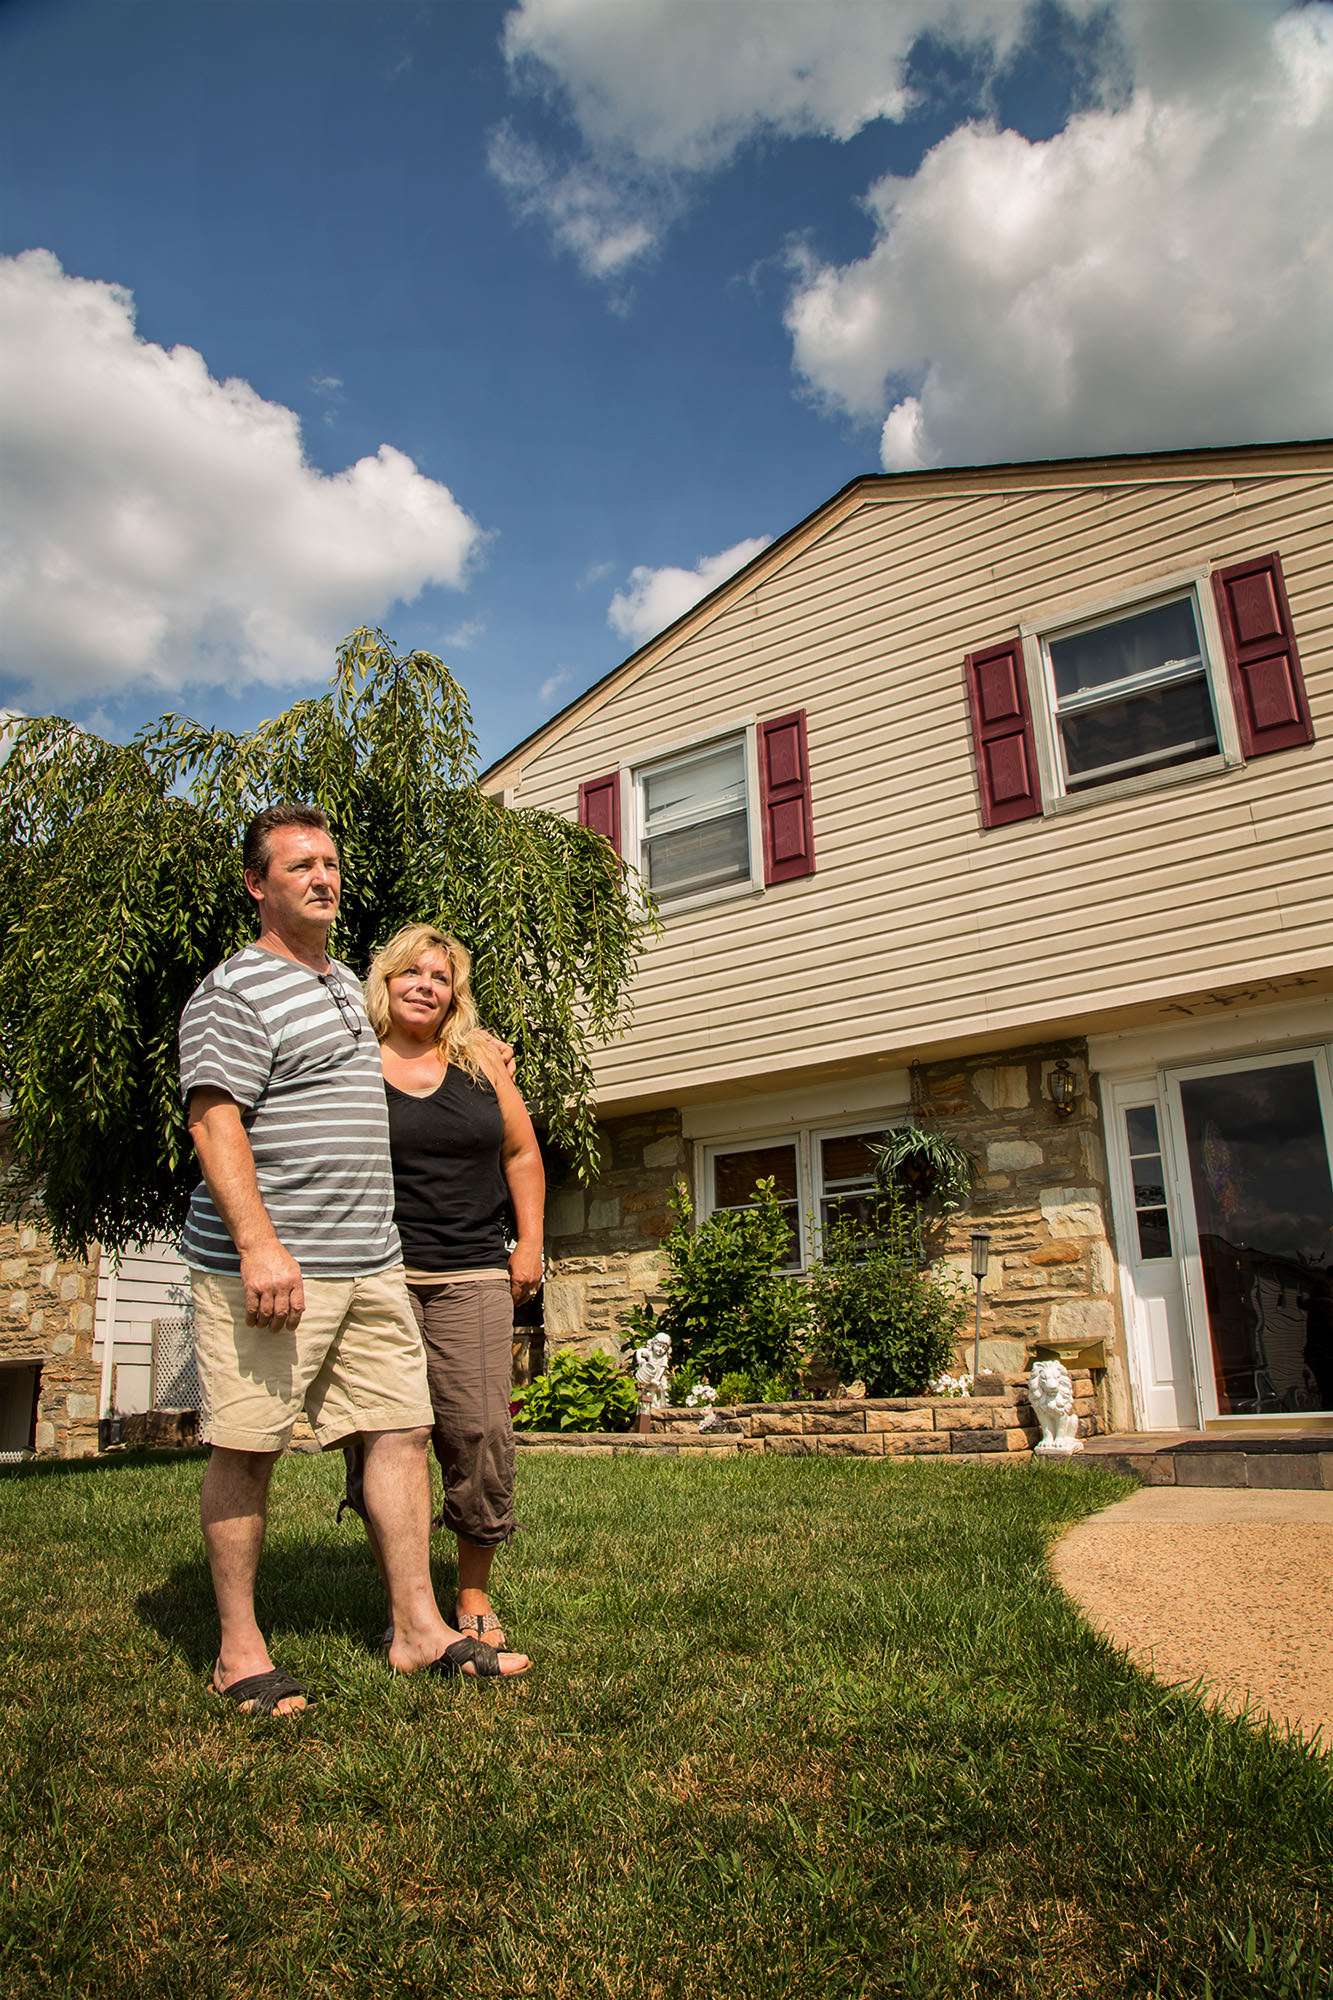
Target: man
x: 295, y: 1263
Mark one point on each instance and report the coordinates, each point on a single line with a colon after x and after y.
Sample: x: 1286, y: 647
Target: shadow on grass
x: 316, y: 1587
x: 103, y: 1464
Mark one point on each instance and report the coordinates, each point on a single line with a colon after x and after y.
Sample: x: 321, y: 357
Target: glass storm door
x: 1253, y: 1138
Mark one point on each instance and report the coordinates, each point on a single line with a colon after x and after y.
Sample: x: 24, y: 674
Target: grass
x: 798, y: 1727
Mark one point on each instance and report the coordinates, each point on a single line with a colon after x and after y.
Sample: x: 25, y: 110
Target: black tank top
x: 450, y: 1195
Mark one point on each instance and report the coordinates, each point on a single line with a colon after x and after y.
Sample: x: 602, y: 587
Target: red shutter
x: 997, y: 696
x: 599, y: 807
x: 784, y: 799
x: 1268, y: 690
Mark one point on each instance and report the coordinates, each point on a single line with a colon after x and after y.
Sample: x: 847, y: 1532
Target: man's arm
x: 274, y: 1294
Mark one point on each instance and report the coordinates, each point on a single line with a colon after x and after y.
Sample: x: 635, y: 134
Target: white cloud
x: 661, y: 91
x: 466, y: 634
x: 553, y: 683
x: 596, y: 572
x: 1159, y: 272
x: 604, y: 225
x: 158, y: 526
x: 686, y: 86
x: 655, y: 598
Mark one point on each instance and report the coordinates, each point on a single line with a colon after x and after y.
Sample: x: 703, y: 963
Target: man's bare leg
x: 233, y: 1507
x: 397, y: 1487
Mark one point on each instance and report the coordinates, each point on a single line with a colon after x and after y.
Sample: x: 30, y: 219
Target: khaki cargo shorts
x: 354, y: 1363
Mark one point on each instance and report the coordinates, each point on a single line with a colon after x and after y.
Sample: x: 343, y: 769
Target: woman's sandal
x: 483, y: 1658
x: 476, y: 1624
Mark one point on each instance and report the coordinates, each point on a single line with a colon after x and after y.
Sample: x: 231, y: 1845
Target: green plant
x: 120, y: 885
x: 728, y: 1308
x: 927, y: 1169
x: 578, y: 1393
x: 882, y: 1316
x: 756, y: 1385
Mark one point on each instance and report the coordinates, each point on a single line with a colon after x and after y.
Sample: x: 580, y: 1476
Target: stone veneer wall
x: 602, y: 1243
x: 1042, y: 1192
x: 48, y: 1309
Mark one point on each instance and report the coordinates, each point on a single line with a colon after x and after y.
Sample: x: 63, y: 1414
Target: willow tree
x: 120, y: 885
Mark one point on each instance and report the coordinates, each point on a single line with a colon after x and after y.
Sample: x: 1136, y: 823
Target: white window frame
x: 809, y: 1170
x: 1059, y: 622
x: 632, y: 775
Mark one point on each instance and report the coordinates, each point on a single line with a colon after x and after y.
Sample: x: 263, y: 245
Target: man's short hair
x: 257, y: 847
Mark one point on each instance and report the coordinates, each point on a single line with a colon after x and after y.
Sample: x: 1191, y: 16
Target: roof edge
x: 925, y: 477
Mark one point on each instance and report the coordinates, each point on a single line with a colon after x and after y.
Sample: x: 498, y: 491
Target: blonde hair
x: 456, y: 1040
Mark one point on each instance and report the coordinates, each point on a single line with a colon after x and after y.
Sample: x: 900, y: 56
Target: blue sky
x: 534, y: 318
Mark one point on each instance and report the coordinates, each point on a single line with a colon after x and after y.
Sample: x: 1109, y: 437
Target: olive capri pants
x: 467, y: 1325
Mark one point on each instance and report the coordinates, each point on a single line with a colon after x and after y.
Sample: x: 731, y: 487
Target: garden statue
x: 1051, y: 1393
x: 652, y: 1372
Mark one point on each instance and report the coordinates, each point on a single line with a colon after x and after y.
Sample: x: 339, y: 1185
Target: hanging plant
x: 925, y: 1167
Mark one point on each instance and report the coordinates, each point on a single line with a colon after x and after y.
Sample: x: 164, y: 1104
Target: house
x: 1001, y: 797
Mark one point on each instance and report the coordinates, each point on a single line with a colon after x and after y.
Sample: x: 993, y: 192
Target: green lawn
x: 798, y: 1727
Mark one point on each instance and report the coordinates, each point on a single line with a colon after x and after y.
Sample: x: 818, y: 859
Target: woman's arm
x: 520, y: 1157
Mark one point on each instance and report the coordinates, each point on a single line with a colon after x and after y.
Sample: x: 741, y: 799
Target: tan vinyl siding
x: 920, y: 931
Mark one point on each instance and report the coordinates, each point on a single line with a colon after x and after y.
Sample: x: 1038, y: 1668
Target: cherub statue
x: 1051, y: 1393
x: 652, y: 1372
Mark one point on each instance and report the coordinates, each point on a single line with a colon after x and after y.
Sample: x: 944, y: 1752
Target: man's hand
x: 274, y: 1294
x: 498, y: 1051
x: 525, y: 1272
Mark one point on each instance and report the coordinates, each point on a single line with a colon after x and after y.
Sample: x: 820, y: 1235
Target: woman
x: 464, y: 1153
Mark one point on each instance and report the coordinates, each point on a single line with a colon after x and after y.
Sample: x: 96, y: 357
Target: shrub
x: 756, y: 1386
x: 882, y: 1316
x: 578, y: 1393
x: 728, y: 1308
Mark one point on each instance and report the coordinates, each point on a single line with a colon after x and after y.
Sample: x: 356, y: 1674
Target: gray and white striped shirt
x: 311, y: 1094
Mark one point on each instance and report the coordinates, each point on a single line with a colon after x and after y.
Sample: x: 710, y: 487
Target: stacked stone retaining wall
x: 997, y: 1424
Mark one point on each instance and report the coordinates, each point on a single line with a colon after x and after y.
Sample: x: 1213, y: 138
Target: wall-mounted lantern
x: 1063, y: 1087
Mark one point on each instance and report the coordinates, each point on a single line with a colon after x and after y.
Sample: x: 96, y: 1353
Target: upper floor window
x: 1131, y: 694
x: 694, y: 820
x: 1185, y: 681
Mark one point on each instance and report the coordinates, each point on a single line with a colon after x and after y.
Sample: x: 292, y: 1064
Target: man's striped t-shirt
x: 272, y: 1034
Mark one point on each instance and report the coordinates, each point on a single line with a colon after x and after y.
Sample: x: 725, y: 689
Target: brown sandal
x: 477, y: 1624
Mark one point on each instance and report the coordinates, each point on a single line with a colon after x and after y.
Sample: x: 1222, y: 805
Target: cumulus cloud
x: 655, y: 598
x: 159, y: 526
x: 1160, y: 271
x: 661, y: 92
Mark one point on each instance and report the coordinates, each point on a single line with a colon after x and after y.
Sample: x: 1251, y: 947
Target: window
x: 1130, y: 694
x: 694, y: 820
x: 818, y: 1174
x: 846, y: 1167
x: 1149, y: 1178
x: 733, y: 1183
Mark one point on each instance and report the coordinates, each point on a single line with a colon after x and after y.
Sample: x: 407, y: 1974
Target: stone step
x: 1301, y: 1462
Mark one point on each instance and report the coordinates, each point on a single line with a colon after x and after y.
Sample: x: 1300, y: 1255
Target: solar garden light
x: 980, y: 1265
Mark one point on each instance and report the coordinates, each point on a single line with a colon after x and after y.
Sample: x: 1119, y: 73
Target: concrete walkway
x: 1224, y: 1585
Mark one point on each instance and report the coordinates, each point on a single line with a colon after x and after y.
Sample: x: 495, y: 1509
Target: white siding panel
x: 919, y: 927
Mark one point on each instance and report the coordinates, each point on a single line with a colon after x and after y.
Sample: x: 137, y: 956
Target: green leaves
x: 882, y: 1316
x: 578, y: 1393
x: 728, y: 1308
x: 121, y: 885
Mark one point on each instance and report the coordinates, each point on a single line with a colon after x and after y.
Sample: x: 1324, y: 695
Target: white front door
x: 1250, y: 1144
x: 1147, y: 1216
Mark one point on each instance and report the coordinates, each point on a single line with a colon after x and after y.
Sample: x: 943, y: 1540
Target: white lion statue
x: 1051, y: 1393
x: 652, y: 1372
